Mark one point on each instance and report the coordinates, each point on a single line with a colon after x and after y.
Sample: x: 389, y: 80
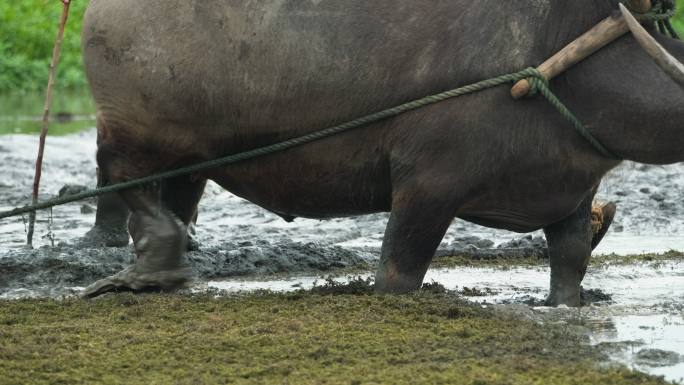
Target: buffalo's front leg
x: 570, y: 245
x: 416, y: 227
x: 159, y: 237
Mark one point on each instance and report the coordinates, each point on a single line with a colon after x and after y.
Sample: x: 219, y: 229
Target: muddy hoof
x: 568, y: 297
x: 551, y: 302
x: 130, y: 279
x: 193, y: 244
x: 99, y: 237
x: 601, y: 219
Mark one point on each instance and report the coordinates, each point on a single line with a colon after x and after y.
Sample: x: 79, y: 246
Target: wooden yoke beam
x: 593, y: 40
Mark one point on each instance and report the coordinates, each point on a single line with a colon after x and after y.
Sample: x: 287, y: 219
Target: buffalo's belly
x: 506, y: 220
x: 320, y: 180
x: 532, y: 211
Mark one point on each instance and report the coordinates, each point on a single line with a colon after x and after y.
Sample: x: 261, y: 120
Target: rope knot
x: 537, y: 82
x: 535, y: 79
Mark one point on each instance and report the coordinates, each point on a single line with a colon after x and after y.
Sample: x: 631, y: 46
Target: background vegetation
x: 27, y: 35
x: 679, y: 18
x: 27, y: 32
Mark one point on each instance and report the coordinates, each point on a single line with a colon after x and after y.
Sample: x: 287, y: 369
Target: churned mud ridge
x: 59, y: 266
x: 53, y: 270
x: 263, y: 258
x: 67, y: 265
x: 71, y: 265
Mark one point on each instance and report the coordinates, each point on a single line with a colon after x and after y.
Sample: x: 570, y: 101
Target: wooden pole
x: 584, y: 46
x: 598, y: 37
x: 46, y: 111
x: 668, y: 63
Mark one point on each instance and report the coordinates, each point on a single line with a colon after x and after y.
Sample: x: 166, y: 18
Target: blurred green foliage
x: 678, y: 20
x: 27, y: 34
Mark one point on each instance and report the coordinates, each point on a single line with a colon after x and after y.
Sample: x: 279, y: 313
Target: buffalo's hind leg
x: 416, y: 226
x: 111, y: 216
x: 601, y: 218
x: 158, y: 235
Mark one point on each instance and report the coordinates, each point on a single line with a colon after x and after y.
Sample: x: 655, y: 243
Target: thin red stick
x: 46, y: 111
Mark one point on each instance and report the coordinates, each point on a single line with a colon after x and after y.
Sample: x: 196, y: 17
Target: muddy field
x: 238, y: 238
x: 244, y: 247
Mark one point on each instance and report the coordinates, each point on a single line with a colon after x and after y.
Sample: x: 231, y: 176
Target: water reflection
x: 72, y: 111
x: 651, y: 343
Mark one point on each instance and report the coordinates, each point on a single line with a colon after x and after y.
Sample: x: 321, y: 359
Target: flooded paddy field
x: 243, y: 247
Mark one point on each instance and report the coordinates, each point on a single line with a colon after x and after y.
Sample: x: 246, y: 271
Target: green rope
x: 660, y: 13
x: 538, y: 82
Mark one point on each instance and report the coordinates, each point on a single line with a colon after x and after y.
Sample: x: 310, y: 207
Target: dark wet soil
x: 658, y: 357
x: 68, y: 265
x: 587, y: 297
x: 237, y: 238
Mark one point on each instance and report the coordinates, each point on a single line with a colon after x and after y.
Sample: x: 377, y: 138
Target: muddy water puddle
x: 649, y: 343
x: 642, y: 325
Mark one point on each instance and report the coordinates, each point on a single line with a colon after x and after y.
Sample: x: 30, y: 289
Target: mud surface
x: 238, y: 238
x: 637, y: 310
x: 634, y: 311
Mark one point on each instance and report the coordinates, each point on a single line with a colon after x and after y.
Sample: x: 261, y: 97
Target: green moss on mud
x: 498, y: 262
x: 651, y: 258
x: 333, y: 336
x: 596, y: 261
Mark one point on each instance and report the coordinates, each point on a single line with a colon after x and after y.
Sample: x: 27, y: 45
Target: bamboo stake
x: 46, y: 111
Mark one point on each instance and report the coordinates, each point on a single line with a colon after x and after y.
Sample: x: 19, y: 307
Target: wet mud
x: 237, y: 238
x: 43, y: 271
x: 243, y: 247
x: 633, y: 312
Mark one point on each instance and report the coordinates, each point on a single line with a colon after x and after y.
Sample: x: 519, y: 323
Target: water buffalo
x: 177, y: 82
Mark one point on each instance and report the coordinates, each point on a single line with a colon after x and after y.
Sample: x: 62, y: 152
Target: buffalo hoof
x: 601, y: 219
x: 193, y: 244
x: 569, y: 298
x: 396, y: 283
x: 104, y: 237
x: 130, y: 279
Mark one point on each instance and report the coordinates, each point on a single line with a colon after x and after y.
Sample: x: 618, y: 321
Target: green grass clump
x: 340, y: 337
